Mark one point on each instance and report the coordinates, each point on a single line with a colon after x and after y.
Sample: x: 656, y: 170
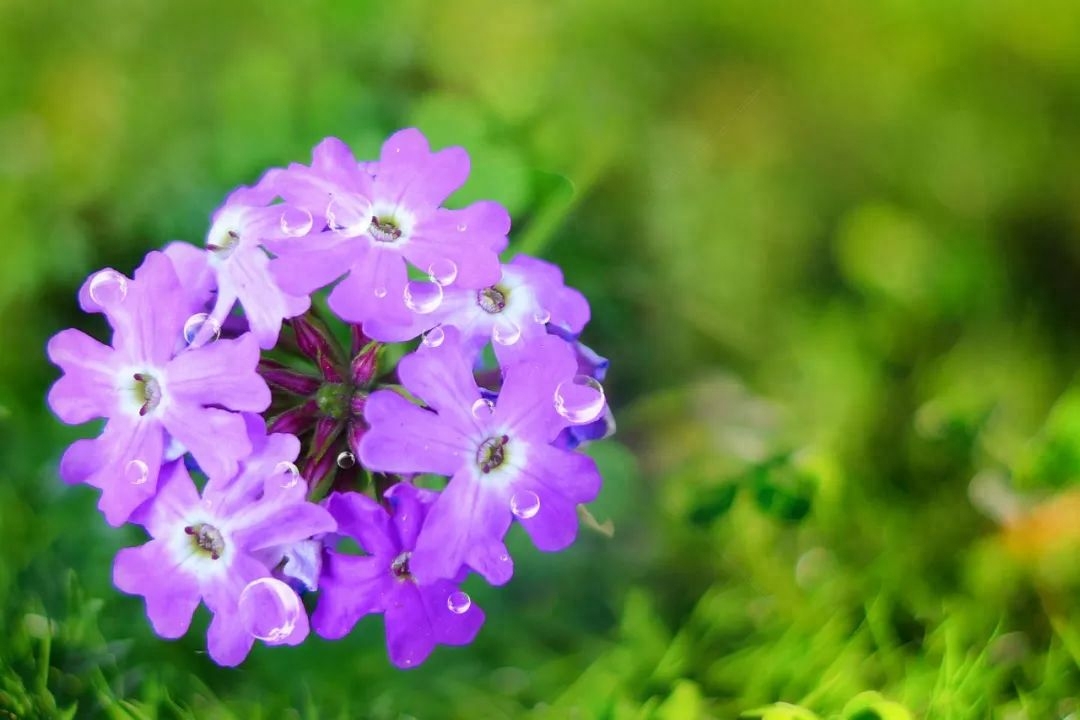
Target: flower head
x: 499, y: 456
x: 219, y: 549
x: 418, y: 615
x: 154, y: 390
x: 378, y: 218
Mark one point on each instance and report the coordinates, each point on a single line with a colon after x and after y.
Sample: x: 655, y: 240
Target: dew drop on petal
x: 542, y: 316
x: 580, y: 400
x: 108, y: 287
x: 443, y: 272
x: 459, y: 602
x: 137, y: 472
x: 348, y: 217
x: 462, y: 227
x: 483, y: 409
x: 201, y: 329
x: 296, y: 221
x: 346, y: 460
x: 423, y: 297
x: 505, y: 331
x: 289, y: 474
x: 525, y: 504
x: 434, y: 337
x: 268, y: 609
x: 380, y: 292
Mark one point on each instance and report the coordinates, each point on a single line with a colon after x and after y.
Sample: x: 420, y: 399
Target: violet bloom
x: 418, y: 616
x: 153, y: 390
x: 377, y: 218
x: 242, y: 267
x: 514, y: 312
x: 500, y: 456
x: 214, y: 549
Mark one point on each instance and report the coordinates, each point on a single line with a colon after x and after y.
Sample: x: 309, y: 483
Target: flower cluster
x: 344, y: 364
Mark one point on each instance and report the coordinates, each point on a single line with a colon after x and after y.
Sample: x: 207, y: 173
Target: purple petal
x: 129, y: 456
x: 149, y: 322
x: 303, y: 266
x: 555, y: 524
x: 88, y: 388
x: 471, y: 238
x: 176, y: 495
x: 409, y: 635
x: 226, y: 639
x: 192, y: 266
x: 465, y: 526
x: 217, y: 439
x: 367, y: 522
x: 153, y: 571
x: 374, y: 287
x: 219, y: 373
x: 246, y: 277
x: 279, y: 520
x: 410, y: 174
x: 405, y: 438
x: 573, y: 475
x: 410, y: 505
x: 442, y: 377
x: 527, y: 398
x: 450, y: 628
x: 350, y: 588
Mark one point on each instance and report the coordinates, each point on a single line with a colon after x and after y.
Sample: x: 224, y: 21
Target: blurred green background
x: 832, y: 249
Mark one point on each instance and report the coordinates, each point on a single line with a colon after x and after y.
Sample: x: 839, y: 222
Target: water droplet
x: 483, y: 409
x: 423, y: 297
x: 380, y: 292
x: 201, y: 329
x: 269, y: 609
x: 443, y: 272
x: 580, y: 400
x: 346, y: 460
x: 434, y: 337
x: 459, y: 602
x: 108, y: 287
x: 462, y: 227
x: 505, y: 331
x: 348, y: 216
x: 137, y: 472
x: 542, y: 316
x: 296, y: 221
x: 525, y: 504
x: 290, y: 474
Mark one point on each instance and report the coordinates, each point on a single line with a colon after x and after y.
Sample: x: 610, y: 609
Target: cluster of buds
x: 344, y: 392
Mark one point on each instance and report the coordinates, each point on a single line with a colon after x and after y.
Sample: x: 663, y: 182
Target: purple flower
x: 219, y: 549
x: 418, y: 615
x: 500, y: 456
x: 153, y: 389
x: 377, y: 218
x: 242, y: 267
x: 514, y: 312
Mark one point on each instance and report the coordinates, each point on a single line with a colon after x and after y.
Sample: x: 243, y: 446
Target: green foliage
x: 831, y: 254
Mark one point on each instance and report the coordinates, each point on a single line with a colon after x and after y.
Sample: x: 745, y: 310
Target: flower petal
x: 153, y: 571
x: 88, y: 388
x: 350, y: 588
x: 405, y: 438
x: 226, y: 640
x: 465, y: 526
x: 374, y: 287
x: 451, y: 628
x: 217, y: 439
x: 219, y: 373
x: 409, y: 635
